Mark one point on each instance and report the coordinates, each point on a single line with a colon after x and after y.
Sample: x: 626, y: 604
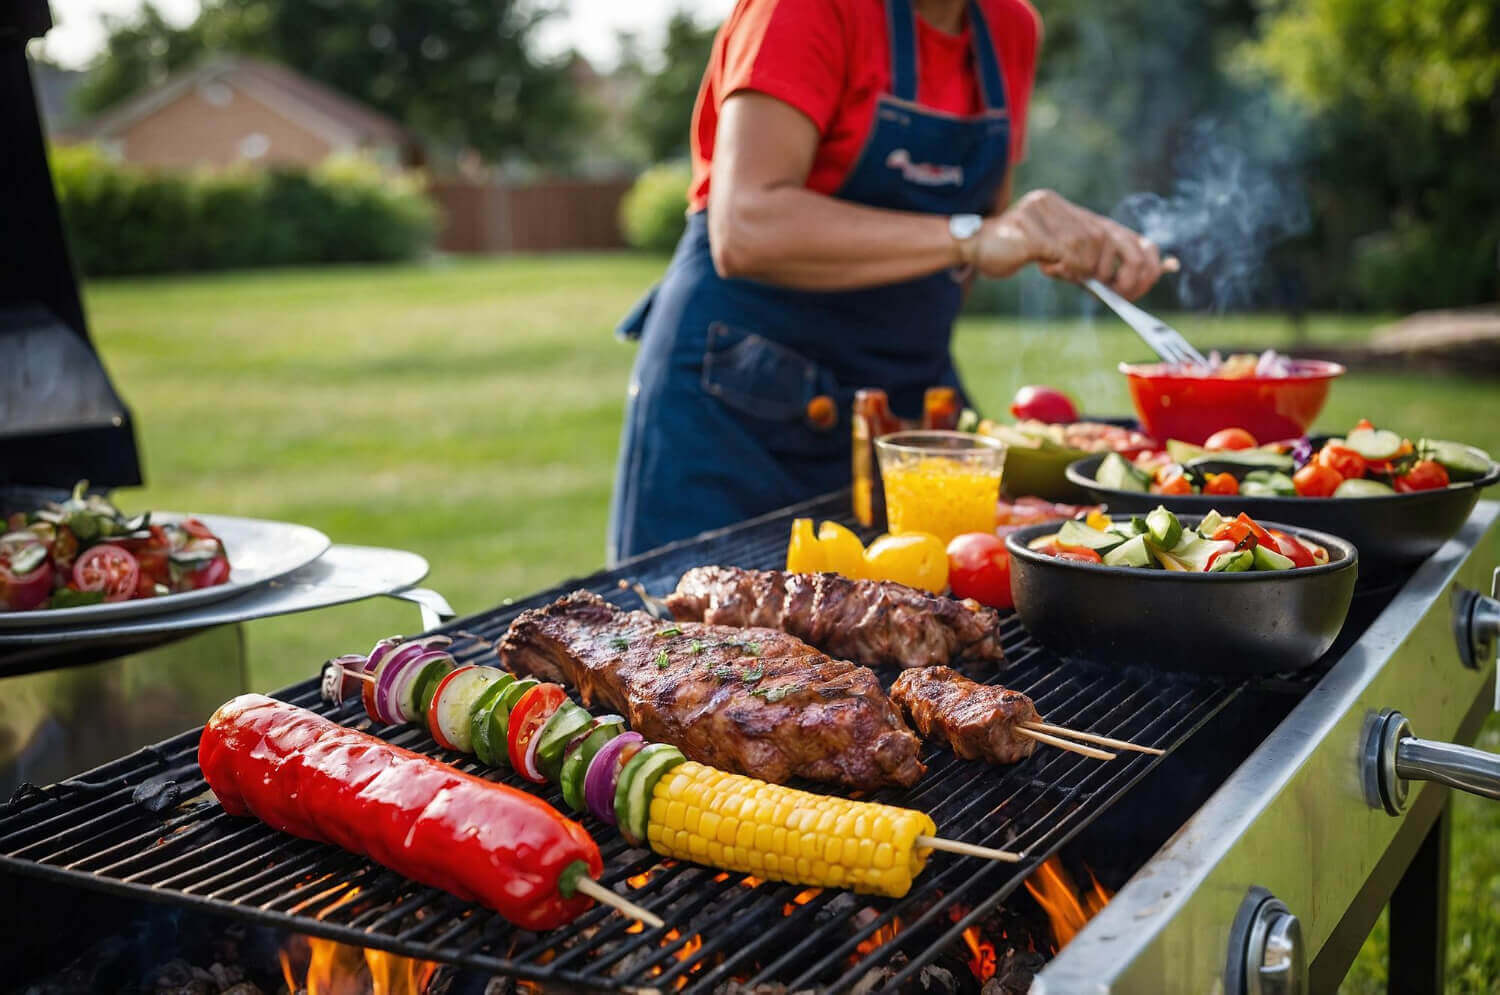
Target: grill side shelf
x: 144, y: 827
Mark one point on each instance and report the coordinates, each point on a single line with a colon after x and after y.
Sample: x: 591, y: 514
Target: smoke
x: 1235, y: 196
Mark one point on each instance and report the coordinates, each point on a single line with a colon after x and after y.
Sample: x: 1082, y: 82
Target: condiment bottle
x: 872, y: 419
x: 940, y: 408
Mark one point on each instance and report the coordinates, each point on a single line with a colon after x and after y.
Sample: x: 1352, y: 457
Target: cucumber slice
x: 456, y: 704
x: 425, y: 683
x: 500, y: 718
x: 1182, y: 452
x: 1237, y: 461
x: 1193, y: 552
x: 1374, y: 443
x: 1358, y: 487
x: 1258, y: 488
x: 1164, y: 528
x: 568, y: 721
x: 580, y: 753
x: 1211, y: 523
x: 1267, y: 559
x: 479, y: 718
x: 1116, y: 473
x: 636, y: 786
x: 1462, y: 462
x: 1272, y: 483
x: 1131, y: 554
x: 1238, y: 561
x: 1076, y: 533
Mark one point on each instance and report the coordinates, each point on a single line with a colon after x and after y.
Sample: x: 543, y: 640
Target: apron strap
x: 901, y: 22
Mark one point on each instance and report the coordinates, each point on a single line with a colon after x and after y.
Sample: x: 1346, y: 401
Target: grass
x: 470, y: 411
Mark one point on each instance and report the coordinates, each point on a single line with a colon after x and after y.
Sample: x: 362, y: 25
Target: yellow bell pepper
x: 916, y: 559
x: 804, y: 554
x: 1098, y: 520
x: 842, y: 551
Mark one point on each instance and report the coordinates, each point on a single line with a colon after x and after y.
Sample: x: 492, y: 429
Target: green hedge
x: 654, y: 211
x: 124, y: 220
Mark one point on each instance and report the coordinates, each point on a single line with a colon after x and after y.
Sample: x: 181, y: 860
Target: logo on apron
x: 924, y: 173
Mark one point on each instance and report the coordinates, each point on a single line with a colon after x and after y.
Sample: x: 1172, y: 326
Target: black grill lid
x: 60, y: 417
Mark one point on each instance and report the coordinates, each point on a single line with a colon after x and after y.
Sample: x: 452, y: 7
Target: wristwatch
x: 965, y: 231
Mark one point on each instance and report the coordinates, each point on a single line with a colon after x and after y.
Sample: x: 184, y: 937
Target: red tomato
x: 197, y: 529
x: 1230, y: 438
x: 979, y: 568
x: 1080, y: 553
x: 526, y: 720
x: 1236, y: 532
x: 1291, y: 547
x: 1424, y: 475
x: 1316, y: 480
x: 1261, y: 535
x: 1220, y: 483
x: 23, y: 592
x: 1043, y: 404
x: 1175, y: 485
x: 211, y: 574
x: 1342, y: 460
x: 1364, y: 423
x: 107, y: 568
x: 151, y: 553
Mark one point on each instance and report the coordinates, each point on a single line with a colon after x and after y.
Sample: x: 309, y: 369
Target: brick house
x: 237, y: 110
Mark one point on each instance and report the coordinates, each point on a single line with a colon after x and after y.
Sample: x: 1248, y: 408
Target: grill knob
x: 1476, y: 624
x: 1266, y: 954
x: 1393, y: 757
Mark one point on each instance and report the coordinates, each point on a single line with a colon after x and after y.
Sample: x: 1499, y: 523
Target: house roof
x: 312, y: 103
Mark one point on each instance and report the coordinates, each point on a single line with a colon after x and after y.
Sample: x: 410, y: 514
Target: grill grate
x: 145, y: 826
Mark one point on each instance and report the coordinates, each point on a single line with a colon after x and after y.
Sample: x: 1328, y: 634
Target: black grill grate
x: 144, y: 826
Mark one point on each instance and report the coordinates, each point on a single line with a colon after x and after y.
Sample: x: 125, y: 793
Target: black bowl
x: 1390, y: 530
x: 1254, y: 622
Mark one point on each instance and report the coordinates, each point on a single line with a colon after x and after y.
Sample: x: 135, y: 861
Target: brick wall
x: 202, y: 128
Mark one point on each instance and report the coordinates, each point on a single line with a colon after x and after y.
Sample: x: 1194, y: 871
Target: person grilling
x: 852, y: 168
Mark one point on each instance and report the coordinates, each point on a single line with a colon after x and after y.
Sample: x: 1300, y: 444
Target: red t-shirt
x: 830, y: 59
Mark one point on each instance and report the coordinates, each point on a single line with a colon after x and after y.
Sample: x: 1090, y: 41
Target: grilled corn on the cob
x: 708, y: 816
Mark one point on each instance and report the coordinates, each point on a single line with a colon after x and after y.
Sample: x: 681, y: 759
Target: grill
x: 144, y: 827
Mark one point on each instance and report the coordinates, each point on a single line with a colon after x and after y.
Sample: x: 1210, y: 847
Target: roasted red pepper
x: 302, y: 774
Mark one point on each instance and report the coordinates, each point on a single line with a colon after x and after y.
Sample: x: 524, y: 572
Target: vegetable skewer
x: 679, y: 808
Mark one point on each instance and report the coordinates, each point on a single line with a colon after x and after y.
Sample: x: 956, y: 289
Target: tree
x: 663, y: 112
x: 138, y: 53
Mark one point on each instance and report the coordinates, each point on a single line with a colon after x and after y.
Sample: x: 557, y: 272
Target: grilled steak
x: 978, y: 721
x: 873, y: 622
x: 753, y: 701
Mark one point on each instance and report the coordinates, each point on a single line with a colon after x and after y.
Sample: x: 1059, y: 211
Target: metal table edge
x: 1101, y: 956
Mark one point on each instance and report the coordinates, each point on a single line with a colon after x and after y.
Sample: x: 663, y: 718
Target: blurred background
x: 356, y: 263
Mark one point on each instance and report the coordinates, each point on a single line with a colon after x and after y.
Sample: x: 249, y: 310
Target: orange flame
x: 982, y: 959
x: 801, y: 898
x: 1055, y: 892
x: 339, y: 969
x: 882, y: 935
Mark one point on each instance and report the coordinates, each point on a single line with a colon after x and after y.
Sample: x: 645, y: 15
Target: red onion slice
x: 599, y: 782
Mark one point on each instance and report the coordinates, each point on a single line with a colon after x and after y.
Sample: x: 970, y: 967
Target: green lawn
x: 469, y: 411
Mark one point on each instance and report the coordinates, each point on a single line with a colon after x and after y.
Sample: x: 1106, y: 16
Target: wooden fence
x: 537, y: 217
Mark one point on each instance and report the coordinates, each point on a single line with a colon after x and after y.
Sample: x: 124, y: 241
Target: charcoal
x: 156, y: 794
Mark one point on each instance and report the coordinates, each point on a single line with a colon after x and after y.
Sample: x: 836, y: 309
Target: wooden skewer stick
x: 1063, y: 744
x: 624, y: 906
x: 968, y: 849
x: 654, y: 605
x: 1089, y: 737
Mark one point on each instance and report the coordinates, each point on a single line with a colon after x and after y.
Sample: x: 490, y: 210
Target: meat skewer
x: 757, y: 702
x: 302, y: 774
x: 872, y: 622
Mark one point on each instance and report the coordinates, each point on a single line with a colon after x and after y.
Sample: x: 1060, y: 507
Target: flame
x: 1055, y: 892
x: 882, y: 935
x: 982, y: 961
x: 337, y: 969
x: 802, y: 898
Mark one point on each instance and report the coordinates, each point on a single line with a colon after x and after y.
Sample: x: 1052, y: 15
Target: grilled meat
x: 753, y: 701
x: 978, y: 721
x: 873, y: 622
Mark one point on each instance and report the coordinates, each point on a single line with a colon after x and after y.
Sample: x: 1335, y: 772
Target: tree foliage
x: 663, y: 111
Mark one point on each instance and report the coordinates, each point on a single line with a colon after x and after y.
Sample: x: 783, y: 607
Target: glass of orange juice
x: 944, y: 483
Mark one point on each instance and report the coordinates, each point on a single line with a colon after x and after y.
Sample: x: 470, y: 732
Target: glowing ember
x: 802, y: 898
x: 1055, y: 892
x: 882, y: 935
x: 339, y: 969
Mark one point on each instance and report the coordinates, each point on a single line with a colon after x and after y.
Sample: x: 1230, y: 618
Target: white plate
x: 259, y: 552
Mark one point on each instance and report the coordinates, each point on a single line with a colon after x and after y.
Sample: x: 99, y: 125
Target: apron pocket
x: 774, y: 390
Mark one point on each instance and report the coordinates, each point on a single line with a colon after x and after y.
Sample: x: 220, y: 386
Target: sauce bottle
x: 872, y: 419
x: 940, y: 408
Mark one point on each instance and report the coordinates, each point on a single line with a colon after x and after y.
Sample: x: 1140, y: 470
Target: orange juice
x: 940, y: 496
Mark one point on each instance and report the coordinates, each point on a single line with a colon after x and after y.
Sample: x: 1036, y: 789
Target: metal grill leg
x: 1419, y: 915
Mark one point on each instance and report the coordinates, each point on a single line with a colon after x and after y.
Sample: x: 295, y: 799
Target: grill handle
x: 1462, y: 767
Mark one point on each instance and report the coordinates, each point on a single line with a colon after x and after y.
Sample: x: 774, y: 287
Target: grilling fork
x: 1163, y: 339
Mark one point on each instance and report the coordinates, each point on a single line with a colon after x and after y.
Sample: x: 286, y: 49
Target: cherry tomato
x: 1043, y: 404
x: 150, y: 553
x: 1291, y: 547
x: 1220, y: 483
x: 1342, y: 460
x: 526, y: 720
x: 1080, y: 553
x: 979, y: 568
x: 211, y: 574
x: 197, y: 529
x: 1316, y: 480
x: 23, y: 592
x: 1230, y: 438
x: 1424, y: 475
x: 107, y: 568
x: 1174, y: 485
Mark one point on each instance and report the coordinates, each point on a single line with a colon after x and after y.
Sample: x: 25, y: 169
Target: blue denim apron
x: 718, y: 426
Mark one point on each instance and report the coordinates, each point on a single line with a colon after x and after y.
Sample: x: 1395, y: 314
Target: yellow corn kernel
x: 740, y: 824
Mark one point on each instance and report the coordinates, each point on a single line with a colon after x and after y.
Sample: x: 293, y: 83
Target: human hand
x: 1067, y: 242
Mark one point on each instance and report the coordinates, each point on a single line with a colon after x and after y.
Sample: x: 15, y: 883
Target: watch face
x: 964, y: 226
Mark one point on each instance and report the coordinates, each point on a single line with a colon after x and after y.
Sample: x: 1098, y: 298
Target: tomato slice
x: 1292, y: 548
x: 23, y: 592
x: 526, y: 720
x: 107, y: 568
x: 1261, y: 535
x: 1080, y: 553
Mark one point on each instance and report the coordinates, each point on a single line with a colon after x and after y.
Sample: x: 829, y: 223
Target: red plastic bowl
x: 1191, y: 407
